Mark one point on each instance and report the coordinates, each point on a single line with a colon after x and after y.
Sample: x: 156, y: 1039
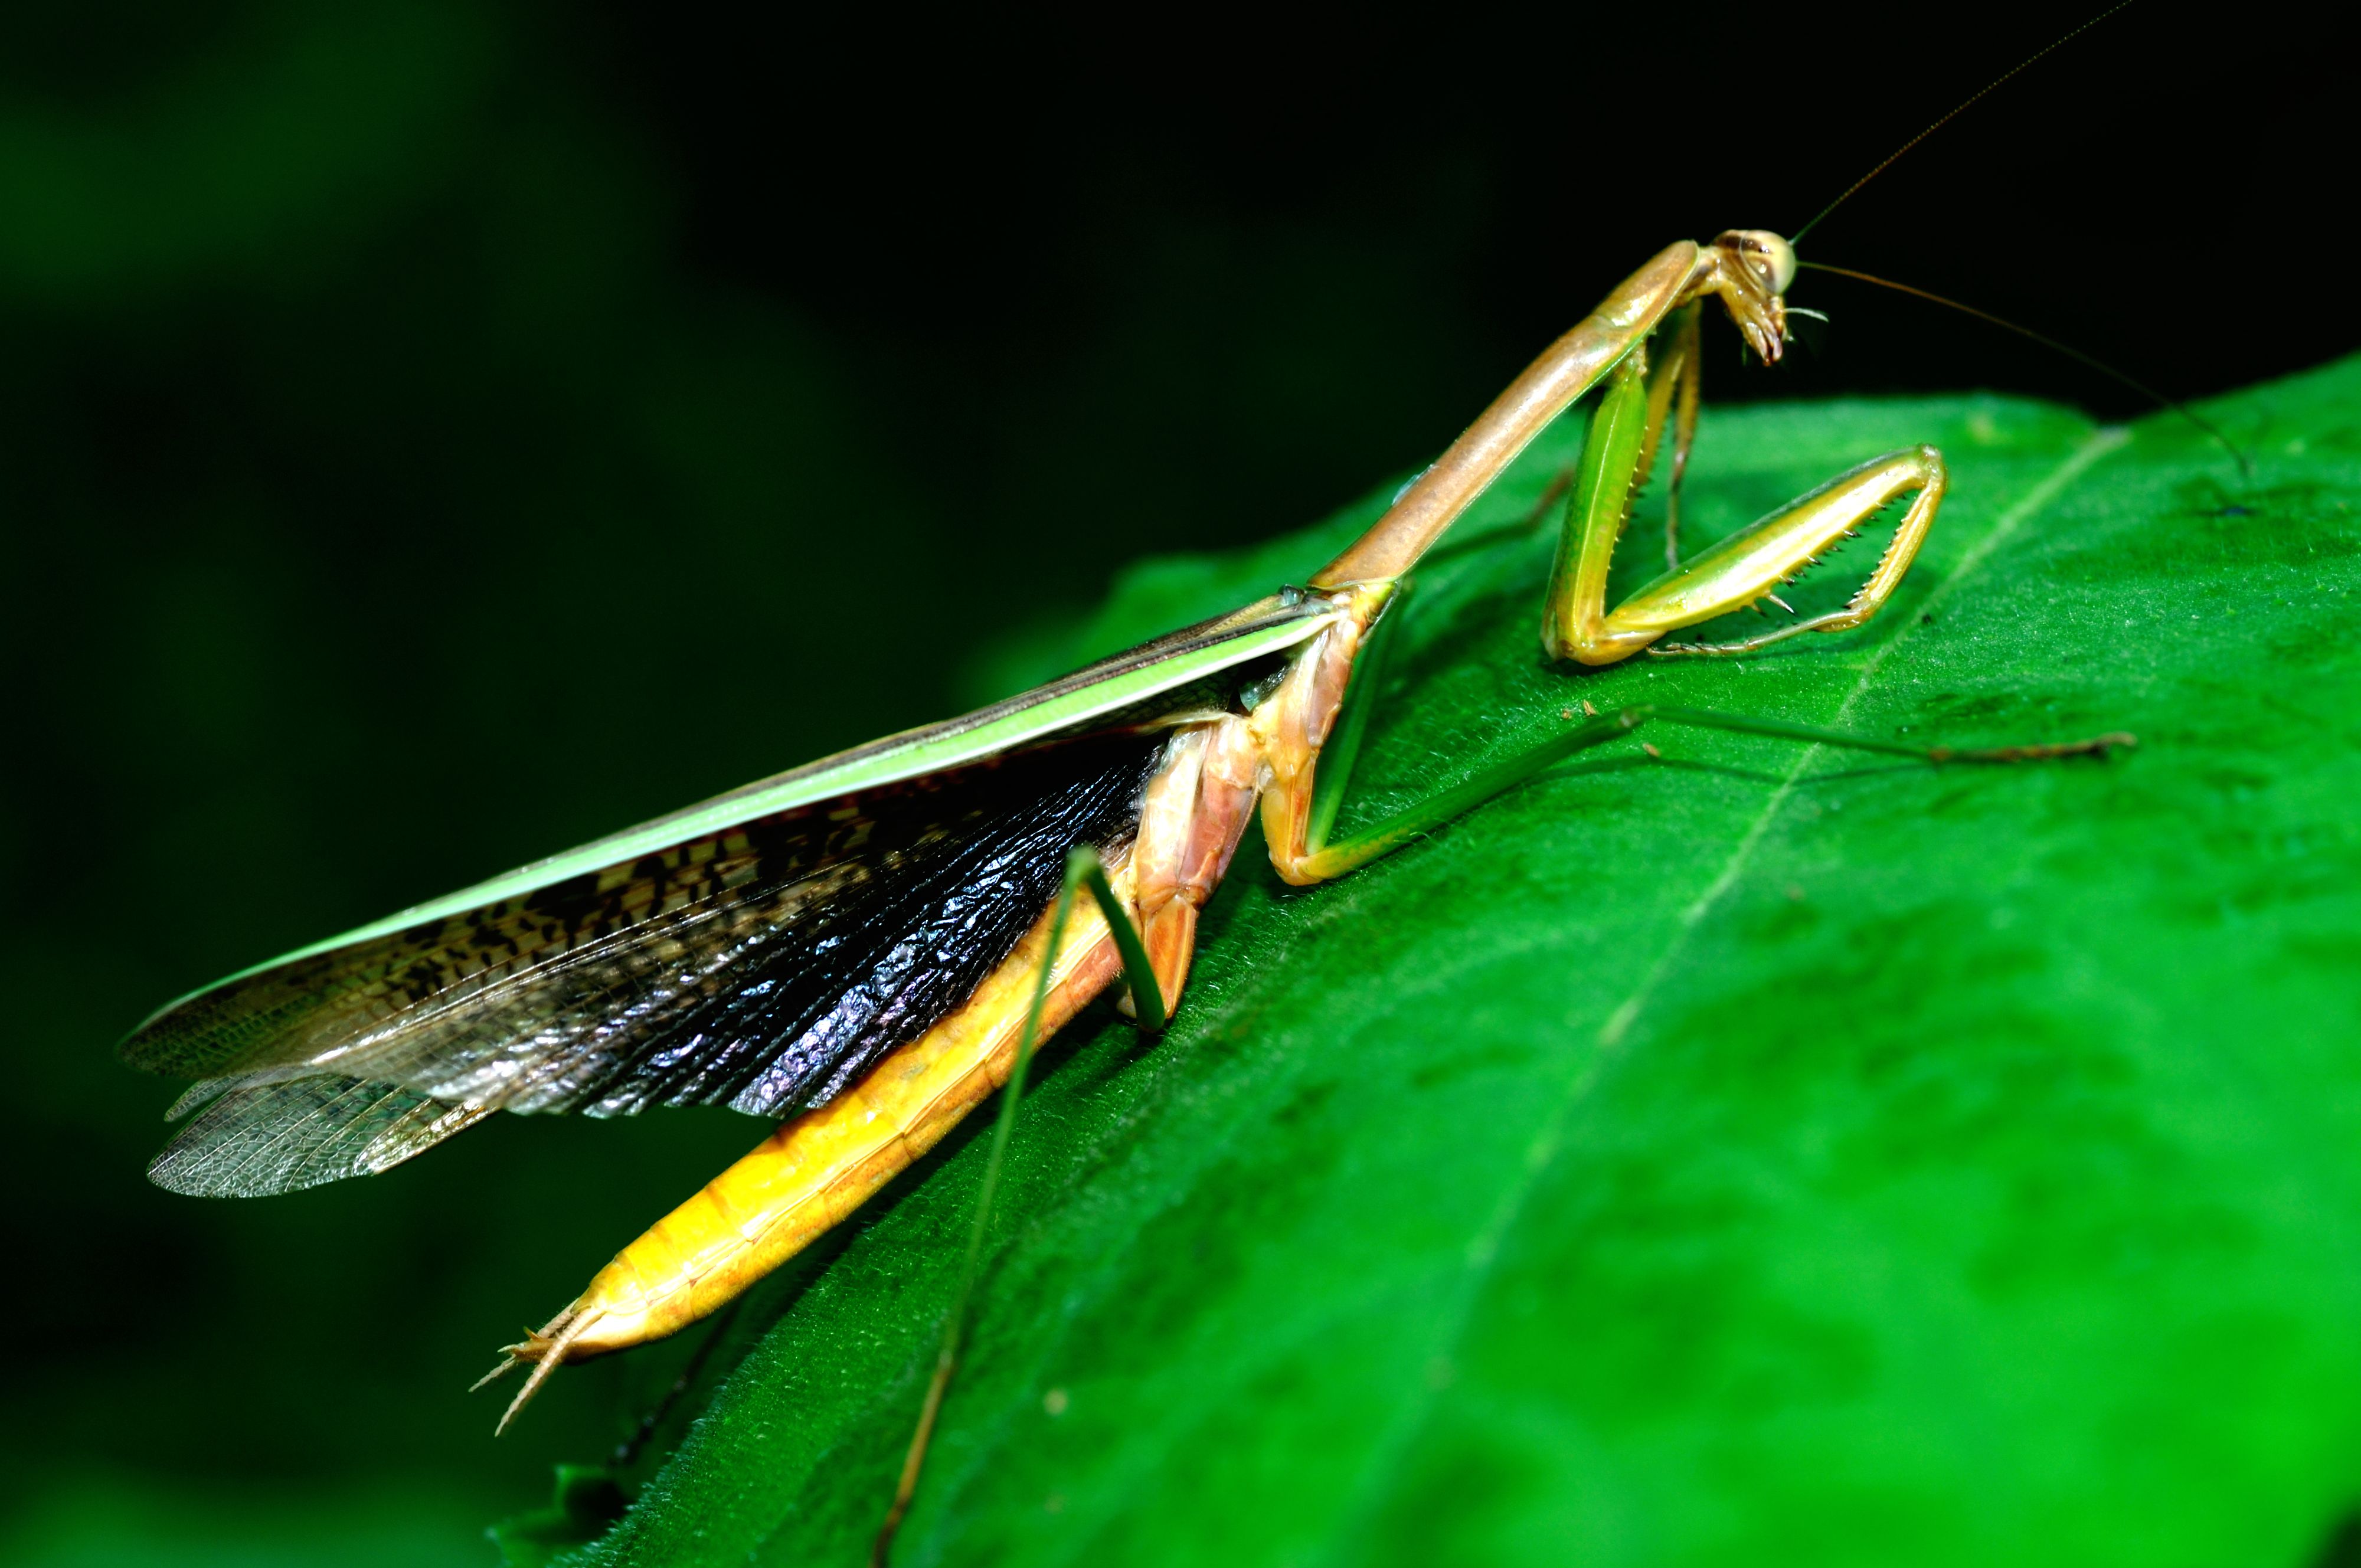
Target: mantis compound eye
x: 1768, y: 257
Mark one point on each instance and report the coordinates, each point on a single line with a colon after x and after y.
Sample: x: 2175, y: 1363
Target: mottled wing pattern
x: 764, y: 968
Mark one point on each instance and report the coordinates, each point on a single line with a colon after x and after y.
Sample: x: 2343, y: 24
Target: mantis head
x: 1754, y: 268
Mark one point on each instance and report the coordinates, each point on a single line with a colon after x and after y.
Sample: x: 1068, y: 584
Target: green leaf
x: 584, y: 1500
x: 1759, y: 1154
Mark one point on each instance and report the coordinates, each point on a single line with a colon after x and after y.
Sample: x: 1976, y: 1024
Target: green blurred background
x: 434, y: 434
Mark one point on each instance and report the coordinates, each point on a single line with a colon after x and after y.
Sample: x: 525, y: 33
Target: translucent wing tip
x: 260, y: 1139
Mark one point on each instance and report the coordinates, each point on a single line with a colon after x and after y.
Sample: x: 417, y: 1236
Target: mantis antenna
x: 2068, y: 350
x: 2091, y: 361
x: 1966, y: 104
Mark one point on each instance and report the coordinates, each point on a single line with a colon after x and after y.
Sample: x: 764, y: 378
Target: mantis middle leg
x: 1314, y: 860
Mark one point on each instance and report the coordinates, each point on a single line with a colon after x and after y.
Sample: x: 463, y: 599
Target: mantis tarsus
x: 869, y: 946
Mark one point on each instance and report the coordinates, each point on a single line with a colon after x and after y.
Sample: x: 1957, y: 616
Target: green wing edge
x: 1268, y: 626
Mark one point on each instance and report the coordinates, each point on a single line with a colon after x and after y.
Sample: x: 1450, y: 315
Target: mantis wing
x: 764, y: 968
x: 760, y: 950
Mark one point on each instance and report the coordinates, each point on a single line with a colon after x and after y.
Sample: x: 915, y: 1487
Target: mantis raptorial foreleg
x: 1737, y: 572
x: 1676, y: 389
x: 1749, y: 565
x: 1740, y: 569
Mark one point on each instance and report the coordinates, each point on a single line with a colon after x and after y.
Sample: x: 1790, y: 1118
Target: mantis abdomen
x: 816, y: 1170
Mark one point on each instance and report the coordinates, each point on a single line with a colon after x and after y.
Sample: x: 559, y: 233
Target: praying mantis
x: 869, y: 947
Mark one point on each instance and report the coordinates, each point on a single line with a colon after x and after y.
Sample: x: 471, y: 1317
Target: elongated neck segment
x: 1568, y: 368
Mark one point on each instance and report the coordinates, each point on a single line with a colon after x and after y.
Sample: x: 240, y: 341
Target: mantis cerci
x: 867, y: 946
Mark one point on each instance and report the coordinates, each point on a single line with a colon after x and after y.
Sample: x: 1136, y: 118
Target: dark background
x: 432, y: 435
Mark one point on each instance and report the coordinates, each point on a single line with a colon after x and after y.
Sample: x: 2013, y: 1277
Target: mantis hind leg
x: 1083, y: 875
x: 1748, y: 566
